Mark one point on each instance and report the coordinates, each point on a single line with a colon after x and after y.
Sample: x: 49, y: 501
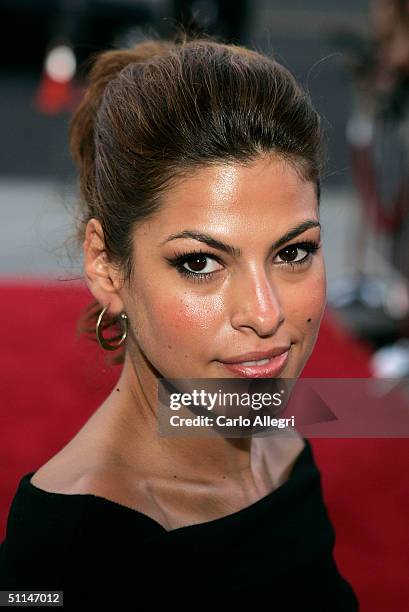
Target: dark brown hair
x: 154, y: 112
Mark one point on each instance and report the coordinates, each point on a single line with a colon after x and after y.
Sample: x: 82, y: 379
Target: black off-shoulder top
x: 277, y: 552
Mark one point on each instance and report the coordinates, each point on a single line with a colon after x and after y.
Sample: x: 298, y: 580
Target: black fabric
x: 277, y: 551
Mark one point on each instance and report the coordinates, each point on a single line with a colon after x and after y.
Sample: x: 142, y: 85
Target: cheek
x: 306, y: 304
x: 315, y: 301
x: 180, y: 321
x: 305, y: 308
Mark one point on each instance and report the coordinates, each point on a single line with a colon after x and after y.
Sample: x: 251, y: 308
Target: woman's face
x: 193, y: 305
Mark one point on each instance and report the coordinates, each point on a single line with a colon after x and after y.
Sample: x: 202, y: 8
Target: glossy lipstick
x: 270, y: 369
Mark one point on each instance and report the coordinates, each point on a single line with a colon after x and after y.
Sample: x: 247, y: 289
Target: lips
x: 276, y: 363
x: 258, y: 355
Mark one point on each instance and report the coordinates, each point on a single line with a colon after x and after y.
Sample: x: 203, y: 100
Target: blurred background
x: 353, y: 58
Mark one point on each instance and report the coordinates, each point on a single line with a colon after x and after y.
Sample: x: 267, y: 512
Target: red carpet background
x: 51, y: 382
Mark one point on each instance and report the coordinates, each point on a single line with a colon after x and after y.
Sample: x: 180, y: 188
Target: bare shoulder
x: 73, y: 470
x: 105, y: 479
x: 131, y: 491
x: 56, y: 477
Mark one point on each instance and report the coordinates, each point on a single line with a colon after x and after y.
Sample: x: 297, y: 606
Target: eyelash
x: 178, y: 262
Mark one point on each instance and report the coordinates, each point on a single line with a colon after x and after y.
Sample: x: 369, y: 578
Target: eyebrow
x: 236, y: 251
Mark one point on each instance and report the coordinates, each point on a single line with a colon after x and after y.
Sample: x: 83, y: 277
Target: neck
x: 131, y: 414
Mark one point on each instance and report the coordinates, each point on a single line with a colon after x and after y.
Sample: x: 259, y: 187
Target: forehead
x: 232, y: 200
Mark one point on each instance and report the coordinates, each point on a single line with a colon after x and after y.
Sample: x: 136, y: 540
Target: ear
x: 101, y: 277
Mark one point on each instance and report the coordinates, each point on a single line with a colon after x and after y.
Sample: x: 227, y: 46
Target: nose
x: 257, y: 306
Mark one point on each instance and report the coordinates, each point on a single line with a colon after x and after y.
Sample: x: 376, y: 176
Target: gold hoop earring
x: 104, y: 343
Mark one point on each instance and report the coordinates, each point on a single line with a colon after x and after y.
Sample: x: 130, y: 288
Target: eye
x: 200, y: 265
x: 291, y: 252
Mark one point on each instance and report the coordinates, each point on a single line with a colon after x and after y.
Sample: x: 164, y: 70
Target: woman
x: 200, y: 168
